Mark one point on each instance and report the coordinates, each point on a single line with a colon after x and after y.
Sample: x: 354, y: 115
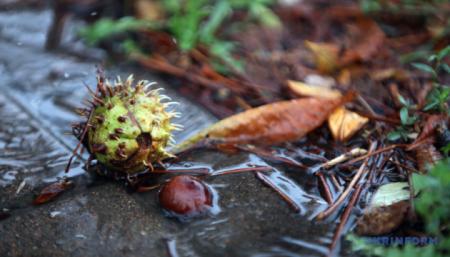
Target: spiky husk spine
x: 128, y: 128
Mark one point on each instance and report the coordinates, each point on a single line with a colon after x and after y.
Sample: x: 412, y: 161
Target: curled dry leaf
x: 344, y: 157
x: 53, y: 190
x: 344, y: 123
x: 386, y: 211
x: 272, y: 123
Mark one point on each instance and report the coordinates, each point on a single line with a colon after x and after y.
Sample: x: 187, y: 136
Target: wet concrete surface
x: 100, y: 217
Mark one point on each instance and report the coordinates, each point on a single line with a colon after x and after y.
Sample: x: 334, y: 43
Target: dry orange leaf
x: 272, y: 123
x: 304, y: 89
x: 344, y: 123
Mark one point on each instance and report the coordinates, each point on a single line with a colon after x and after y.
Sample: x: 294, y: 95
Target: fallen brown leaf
x: 272, y: 123
x: 51, y: 191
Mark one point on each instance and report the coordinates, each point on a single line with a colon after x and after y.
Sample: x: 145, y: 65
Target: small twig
x: 142, y: 189
x: 398, y: 164
x: 344, y: 195
x: 21, y: 186
x: 171, y: 247
x: 336, y: 182
x: 203, y: 171
x: 343, y: 157
x: 387, y: 148
x: 162, y: 65
x: 326, y: 188
x: 80, y: 143
x: 377, y: 117
x: 240, y: 170
x: 366, y: 105
x: 344, y: 218
x: 284, y: 196
x: 379, y: 169
x: 353, y: 200
x: 269, y: 156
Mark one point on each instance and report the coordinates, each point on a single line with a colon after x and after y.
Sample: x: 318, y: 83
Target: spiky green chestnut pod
x: 128, y: 127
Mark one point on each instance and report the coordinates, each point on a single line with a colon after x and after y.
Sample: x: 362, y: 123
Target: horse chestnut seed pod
x: 185, y: 195
x: 128, y: 127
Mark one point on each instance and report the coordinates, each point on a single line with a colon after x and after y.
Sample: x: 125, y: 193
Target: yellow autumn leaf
x: 304, y: 89
x: 344, y: 123
x: 325, y: 56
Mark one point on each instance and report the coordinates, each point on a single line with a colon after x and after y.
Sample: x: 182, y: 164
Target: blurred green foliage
x: 105, y: 28
x: 192, y: 23
x: 423, y: 6
x: 436, y: 100
x: 198, y: 21
x: 407, y: 120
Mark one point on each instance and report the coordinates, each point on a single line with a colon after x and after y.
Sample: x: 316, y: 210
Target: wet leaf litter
x: 359, y: 157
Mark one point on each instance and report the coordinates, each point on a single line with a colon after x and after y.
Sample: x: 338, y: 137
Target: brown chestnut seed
x: 185, y: 195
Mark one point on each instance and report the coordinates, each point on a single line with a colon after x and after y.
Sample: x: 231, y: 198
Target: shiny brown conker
x: 185, y: 195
